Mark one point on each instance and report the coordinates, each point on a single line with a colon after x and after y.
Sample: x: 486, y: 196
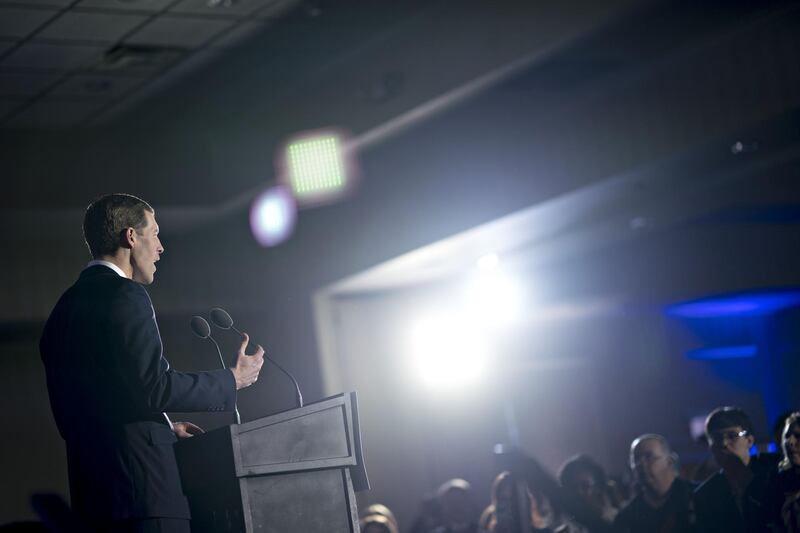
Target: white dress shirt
x: 109, y: 264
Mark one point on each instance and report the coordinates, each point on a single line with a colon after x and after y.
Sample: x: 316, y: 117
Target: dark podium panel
x: 292, y: 472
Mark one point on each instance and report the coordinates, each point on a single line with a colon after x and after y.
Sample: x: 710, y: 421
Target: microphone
x: 201, y: 328
x: 221, y: 319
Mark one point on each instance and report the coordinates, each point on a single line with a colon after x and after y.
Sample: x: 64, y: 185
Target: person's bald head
x: 654, y: 463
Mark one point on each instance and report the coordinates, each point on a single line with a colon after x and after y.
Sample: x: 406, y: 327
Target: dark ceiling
x: 78, y: 62
x: 557, y: 95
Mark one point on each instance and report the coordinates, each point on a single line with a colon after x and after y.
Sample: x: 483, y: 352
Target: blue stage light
x: 743, y: 304
x: 724, y: 352
x: 772, y: 448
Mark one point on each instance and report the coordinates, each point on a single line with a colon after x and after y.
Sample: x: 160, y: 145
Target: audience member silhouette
x: 778, y: 428
x: 503, y: 515
x: 380, y: 510
x: 782, y: 496
x: 733, y: 499
x: 377, y: 523
x: 429, y: 516
x: 663, y: 501
x: 583, y: 478
x: 459, y: 512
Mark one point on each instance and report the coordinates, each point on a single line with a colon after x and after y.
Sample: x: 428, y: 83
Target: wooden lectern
x: 291, y: 472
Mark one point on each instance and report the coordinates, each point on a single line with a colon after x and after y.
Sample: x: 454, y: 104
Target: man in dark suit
x: 110, y: 385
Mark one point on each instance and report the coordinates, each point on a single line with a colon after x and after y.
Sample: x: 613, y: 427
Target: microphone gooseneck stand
x: 201, y: 328
x: 236, y: 415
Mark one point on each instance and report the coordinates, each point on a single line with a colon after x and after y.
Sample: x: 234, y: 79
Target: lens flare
x: 272, y: 216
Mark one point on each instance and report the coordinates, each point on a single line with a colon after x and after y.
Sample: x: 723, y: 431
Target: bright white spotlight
x: 488, y: 262
x: 272, y: 216
x: 447, y: 351
x: 493, y: 297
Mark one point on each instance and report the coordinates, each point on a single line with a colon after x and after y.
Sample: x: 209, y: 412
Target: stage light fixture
x: 316, y: 166
x: 749, y: 303
x: 272, y: 216
x: 724, y: 352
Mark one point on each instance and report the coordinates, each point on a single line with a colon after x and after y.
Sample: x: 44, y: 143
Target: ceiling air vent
x: 127, y: 57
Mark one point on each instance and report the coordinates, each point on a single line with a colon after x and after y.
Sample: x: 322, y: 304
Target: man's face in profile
x: 147, y: 249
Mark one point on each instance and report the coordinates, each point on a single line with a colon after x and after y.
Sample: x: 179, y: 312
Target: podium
x: 292, y: 472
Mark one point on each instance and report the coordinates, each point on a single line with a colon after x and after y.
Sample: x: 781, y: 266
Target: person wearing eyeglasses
x: 730, y: 500
x: 663, y: 503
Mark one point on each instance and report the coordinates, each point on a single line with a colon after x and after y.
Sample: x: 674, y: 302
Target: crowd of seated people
x: 747, y: 493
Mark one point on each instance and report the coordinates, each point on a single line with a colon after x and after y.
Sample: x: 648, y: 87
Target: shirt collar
x: 108, y: 264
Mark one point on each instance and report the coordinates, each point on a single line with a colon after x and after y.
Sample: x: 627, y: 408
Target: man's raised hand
x: 247, y: 367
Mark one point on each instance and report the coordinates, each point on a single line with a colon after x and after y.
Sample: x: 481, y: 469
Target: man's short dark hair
x: 727, y: 417
x: 108, y: 217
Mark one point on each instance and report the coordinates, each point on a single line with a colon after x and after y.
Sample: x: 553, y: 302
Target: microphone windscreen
x: 200, y: 327
x: 221, y: 318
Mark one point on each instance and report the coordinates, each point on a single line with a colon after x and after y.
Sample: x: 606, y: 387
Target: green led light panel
x: 315, y: 165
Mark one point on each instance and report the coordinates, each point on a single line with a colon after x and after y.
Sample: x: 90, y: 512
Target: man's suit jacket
x: 109, y: 385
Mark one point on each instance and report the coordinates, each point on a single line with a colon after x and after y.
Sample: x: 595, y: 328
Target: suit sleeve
x: 137, y: 355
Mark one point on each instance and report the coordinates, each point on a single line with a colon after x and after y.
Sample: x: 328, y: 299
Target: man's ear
x: 750, y: 440
x: 675, y: 460
x: 127, y: 239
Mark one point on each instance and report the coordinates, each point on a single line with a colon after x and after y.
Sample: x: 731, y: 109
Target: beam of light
x: 447, y: 352
x: 488, y: 262
x: 745, y: 304
x: 493, y: 297
x: 272, y: 216
x: 724, y: 352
